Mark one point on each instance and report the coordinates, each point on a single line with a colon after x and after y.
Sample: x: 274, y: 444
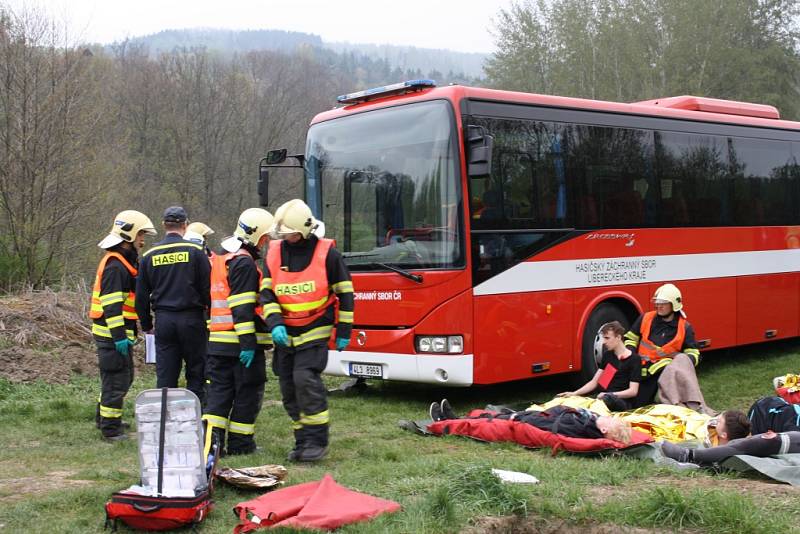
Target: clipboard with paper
x: 149, y: 348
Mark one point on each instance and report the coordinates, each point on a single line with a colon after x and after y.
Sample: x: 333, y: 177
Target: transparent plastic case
x: 184, y: 468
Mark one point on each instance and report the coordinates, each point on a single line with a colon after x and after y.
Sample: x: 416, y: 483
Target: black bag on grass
x: 773, y: 413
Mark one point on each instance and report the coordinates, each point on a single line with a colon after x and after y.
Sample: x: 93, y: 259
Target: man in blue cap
x: 174, y: 282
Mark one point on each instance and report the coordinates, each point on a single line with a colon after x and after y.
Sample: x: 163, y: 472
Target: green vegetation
x: 56, y: 473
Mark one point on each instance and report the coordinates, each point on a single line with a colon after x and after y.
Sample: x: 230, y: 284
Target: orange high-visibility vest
x: 221, y: 316
x: 305, y: 295
x: 128, y: 305
x: 653, y: 352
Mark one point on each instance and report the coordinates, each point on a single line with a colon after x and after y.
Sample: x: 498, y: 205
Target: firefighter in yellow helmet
x: 113, y: 313
x: 305, y: 276
x: 198, y: 232
x: 236, y: 366
x: 661, y: 337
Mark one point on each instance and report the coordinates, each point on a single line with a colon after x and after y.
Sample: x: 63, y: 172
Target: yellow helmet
x: 127, y: 225
x: 253, y: 223
x: 200, y: 229
x: 294, y: 217
x: 669, y: 293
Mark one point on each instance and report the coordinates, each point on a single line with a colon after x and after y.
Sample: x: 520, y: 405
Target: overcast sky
x: 462, y: 25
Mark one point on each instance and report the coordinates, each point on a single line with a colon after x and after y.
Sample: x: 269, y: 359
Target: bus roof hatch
x: 714, y: 105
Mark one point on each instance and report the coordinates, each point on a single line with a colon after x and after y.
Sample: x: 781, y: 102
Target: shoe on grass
x: 676, y: 452
x: 312, y: 453
x: 435, y: 411
x: 447, y: 410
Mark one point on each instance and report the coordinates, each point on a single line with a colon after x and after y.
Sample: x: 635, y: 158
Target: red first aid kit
x: 175, y: 489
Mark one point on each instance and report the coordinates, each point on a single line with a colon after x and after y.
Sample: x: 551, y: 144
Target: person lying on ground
x: 733, y: 428
x: 728, y: 426
x: 619, y: 374
x: 563, y: 420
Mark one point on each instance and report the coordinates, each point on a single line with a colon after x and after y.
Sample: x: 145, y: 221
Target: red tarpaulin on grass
x: 322, y: 504
x: 493, y: 429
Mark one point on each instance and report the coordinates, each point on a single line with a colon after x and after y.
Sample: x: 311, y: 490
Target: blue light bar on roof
x: 386, y: 90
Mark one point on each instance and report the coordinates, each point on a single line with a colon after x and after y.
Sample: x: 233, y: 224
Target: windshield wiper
x: 405, y: 274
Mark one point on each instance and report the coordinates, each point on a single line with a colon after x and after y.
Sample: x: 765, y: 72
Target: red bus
x: 490, y: 233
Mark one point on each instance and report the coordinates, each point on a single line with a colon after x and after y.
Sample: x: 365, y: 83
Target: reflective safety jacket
x: 307, y: 287
x: 677, y: 333
x: 305, y: 295
x: 234, y: 317
x: 113, y: 302
x: 651, y: 351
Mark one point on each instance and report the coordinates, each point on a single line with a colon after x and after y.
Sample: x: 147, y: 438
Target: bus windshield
x: 385, y: 183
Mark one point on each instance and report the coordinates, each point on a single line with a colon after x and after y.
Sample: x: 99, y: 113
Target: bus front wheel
x: 592, y: 345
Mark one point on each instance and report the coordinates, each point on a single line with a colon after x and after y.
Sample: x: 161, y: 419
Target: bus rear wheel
x: 592, y: 344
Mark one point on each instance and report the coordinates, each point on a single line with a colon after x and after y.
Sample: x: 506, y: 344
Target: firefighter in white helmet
x: 113, y: 313
x: 305, y: 276
x: 236, y: 366
x: 198, y: 232
x: 661, y: 337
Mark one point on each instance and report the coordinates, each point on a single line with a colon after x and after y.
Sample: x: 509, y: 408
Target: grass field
x: 56, y: 473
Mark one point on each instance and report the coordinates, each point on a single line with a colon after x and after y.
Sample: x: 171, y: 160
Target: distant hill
x: 404, y: 58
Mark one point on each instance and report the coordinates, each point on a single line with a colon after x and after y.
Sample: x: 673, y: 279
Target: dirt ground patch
x: 755, y: 488
x: 540, y: 525
x: 26, y: 364
x: 16, y: 489
x: 45, y: 335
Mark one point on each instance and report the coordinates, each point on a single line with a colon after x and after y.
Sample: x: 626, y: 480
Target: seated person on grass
x: 563, y: 420
x: 732, y: 429
x: 619, y: 373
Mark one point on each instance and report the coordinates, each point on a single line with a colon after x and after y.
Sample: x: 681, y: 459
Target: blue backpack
x: 773, y: 413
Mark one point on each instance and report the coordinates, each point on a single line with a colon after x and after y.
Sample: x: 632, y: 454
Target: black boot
x: 299, y: 444
x: 316, y: 447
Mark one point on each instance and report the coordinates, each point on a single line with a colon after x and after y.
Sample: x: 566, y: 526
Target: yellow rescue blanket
x: 660, y: 421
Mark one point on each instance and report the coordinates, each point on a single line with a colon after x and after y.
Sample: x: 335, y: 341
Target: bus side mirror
x: 479, y: 151
x: 275, y: 157
x: 263, y: 185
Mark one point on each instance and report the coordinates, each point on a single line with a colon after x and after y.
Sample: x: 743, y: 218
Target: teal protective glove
x: 123, y: 346
x: 246, y: 357
x: 279, y: 336
x: 341, y: 343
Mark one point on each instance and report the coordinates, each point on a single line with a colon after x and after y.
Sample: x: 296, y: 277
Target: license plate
x: 366, y: 369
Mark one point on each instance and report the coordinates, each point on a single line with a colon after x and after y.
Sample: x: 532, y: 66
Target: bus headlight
x: 440, y: 344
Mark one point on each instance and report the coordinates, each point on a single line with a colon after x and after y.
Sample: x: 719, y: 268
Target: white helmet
x: 200, y: 229
x: 294, y: 217
x: 669, y: 293
x: 253, y: 223
x: 127, y: 225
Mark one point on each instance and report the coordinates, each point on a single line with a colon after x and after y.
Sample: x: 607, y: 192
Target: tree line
x: 633, y: 50
x: 87, y: 131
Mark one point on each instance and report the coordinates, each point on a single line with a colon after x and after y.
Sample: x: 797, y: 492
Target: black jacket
x: 174, y: 275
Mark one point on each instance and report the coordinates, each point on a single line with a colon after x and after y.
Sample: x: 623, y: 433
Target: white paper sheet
x: 515, y: 477
x: 149, y: 348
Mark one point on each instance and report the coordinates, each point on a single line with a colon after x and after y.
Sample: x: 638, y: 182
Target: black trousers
x: 616, y: 404
x: 116, y: 377
x: 235, y: 393
x: 648, y: 388
x: 181, y: 337
x: 303, y: 391
x: 753, y: 446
